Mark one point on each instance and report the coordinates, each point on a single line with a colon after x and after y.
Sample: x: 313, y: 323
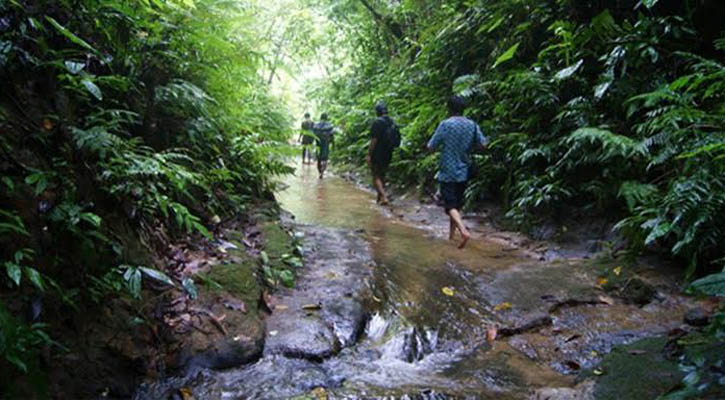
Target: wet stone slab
x: 324, y: 313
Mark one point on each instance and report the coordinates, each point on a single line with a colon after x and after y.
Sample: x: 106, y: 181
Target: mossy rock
x: 239, y: 280
x: 639, y: 370
x: 277, y: 241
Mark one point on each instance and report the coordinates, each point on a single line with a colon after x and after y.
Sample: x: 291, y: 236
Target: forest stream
x: 387, y: 308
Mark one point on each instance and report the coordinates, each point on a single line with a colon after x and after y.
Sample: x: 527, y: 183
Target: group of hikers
x: 456, y: 138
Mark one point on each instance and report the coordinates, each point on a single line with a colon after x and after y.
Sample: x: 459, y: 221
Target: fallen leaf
x: 503, y: 306
x: 186, y: 393
x: 281, y: 307
x: 268, y: 300
x: 47, y: 124
x: 377, y: 300
x: 602, y: 281
x: 491, y: 334
x: 320, y: 393
x: 618, y: 270
x: 598, y: 371
x: 273, y: 333
x: 605, y: 300
x: 448, y: 291
x: 312, y: 307
x: 594, y: 353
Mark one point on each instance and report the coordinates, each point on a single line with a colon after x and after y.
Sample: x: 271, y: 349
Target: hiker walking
x: 306, y: 138
x: 384, y: 138
x: 323, y: 132
x: 456, y: 137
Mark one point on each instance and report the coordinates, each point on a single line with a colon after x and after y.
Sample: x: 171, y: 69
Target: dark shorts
x: 323, y: 150
x: 306, y: 139
x: 379, y: 170
x: 452, y: 194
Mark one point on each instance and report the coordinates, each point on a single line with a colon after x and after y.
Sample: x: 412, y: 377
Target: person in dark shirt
x: 323, y: 132
x: 306, y: 138
x: 380, y: 151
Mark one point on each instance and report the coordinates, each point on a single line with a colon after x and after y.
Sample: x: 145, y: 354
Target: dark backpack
x: 392, y: 135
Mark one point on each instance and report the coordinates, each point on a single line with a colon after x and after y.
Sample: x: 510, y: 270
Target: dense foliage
x: 123, y: 125
x: 592, y: 107
x: 608, y: 109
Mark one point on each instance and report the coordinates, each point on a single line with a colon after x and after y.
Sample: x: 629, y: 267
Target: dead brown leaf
x: 491, y: 334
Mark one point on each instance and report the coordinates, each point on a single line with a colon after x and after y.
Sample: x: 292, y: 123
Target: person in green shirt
x: 306, y: 138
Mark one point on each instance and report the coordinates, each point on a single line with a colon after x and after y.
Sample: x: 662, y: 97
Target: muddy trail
x: 387, y: 307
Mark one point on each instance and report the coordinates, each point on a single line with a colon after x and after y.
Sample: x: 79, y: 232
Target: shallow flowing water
x: 417, y: 341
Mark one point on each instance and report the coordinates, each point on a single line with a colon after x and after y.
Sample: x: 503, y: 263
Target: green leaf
x: 190, y: 287
x: 92, y: 219
x: 8, y: 182
x: 92, y: 88
x: 649, y: 3
x: 133, y: 281
x: 157, y: 275
x: 70, y: 35
x: 264, y: 257
x: 35, y: 278
x: 509, y: 54
x: 712, y: 285
x: 14, y: 272
x: 287, y: 277
x: 568, y: 71
x: 74, y: 67
x: 16, y: 361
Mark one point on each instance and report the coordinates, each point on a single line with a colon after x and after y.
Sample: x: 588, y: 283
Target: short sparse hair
x: 381, y: 108
x: 456, y: 104
x: 307, y: 115
x: 323, y: 116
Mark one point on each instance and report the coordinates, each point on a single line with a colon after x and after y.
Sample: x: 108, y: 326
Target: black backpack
x: 392, y: 135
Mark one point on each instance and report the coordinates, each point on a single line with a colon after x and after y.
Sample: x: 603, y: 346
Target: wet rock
x: 242, y: 345
x: 583, y: 391
x: 697, y: 317
x: 524, y: 347
x: 633, y: 291
x: 227, y: 353
x: 531, y: 323
x: 416, y: 345
x: 347, y: 317
x: 307, y: 338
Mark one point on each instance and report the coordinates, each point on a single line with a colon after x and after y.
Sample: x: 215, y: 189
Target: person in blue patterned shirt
x: 456, y: 137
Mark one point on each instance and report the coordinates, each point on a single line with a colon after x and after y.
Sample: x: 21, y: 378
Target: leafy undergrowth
x: 127, y: 129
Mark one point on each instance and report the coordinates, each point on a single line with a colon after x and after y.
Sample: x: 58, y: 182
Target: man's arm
x: 481, y: 141
x: 369, y: 156
x: 435, y: 141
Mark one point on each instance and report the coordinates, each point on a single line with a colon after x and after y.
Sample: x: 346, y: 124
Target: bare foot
x: 384, y: 201
x: 465, y: 236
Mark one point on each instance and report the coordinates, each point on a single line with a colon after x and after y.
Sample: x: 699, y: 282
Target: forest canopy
x: 593, y: 108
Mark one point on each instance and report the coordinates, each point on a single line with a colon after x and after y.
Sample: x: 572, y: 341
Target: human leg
x: 455, y: 217
x: 452, y: 193
x: 378, y: 172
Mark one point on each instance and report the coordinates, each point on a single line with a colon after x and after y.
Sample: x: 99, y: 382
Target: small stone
x: 697, y: 317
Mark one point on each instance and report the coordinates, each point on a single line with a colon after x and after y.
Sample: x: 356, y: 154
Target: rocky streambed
x: 385, y: 307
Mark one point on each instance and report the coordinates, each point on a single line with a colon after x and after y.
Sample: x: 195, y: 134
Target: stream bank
x: 211, y: 318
